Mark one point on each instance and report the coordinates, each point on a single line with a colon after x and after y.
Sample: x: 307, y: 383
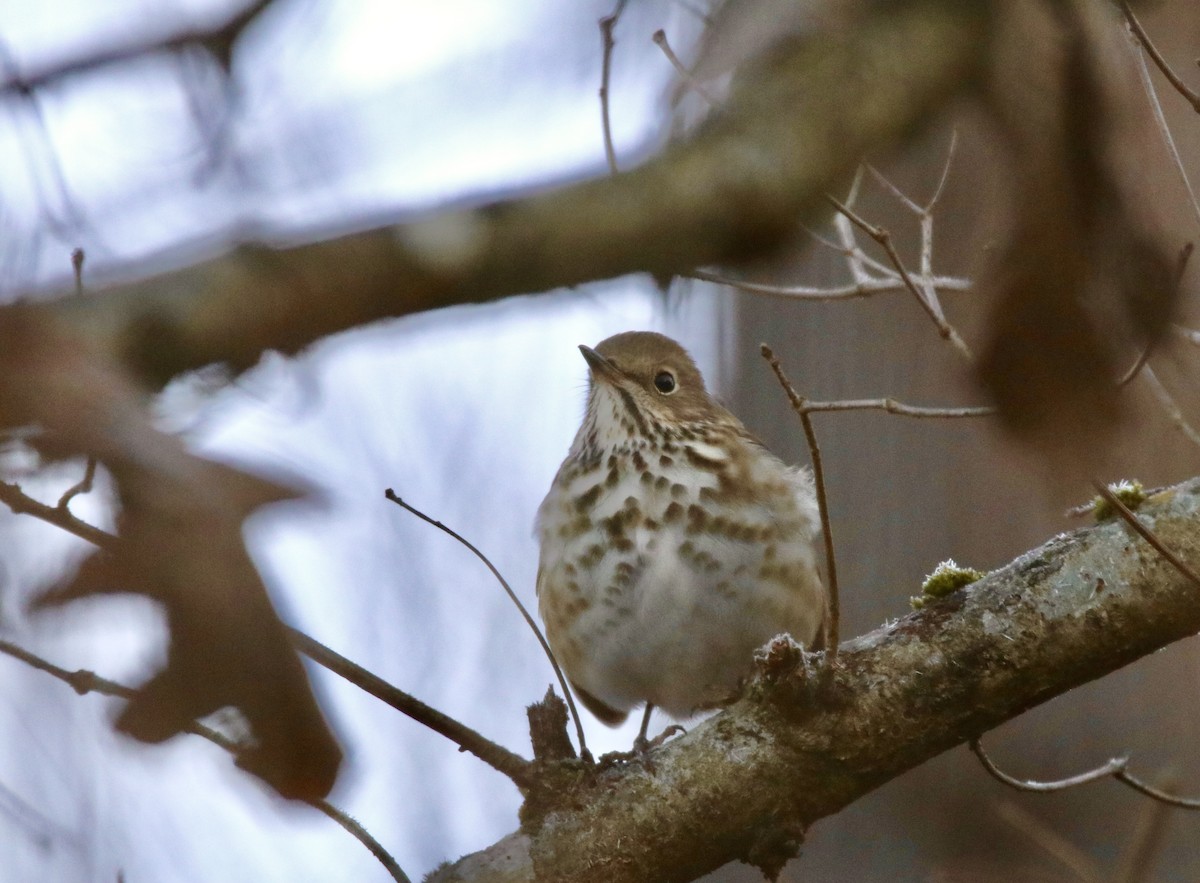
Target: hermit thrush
x: 673, y: 544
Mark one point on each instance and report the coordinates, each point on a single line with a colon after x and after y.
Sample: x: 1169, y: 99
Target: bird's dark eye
x: 664, y: 382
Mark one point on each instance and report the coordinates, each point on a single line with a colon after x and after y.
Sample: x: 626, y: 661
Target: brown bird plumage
x: 673, y: 544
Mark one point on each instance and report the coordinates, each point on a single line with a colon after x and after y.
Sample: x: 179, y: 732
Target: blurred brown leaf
x: 179, y: 542
x: 1085, y: 281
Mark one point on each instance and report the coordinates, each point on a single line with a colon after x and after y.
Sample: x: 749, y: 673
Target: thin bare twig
x: 84, y: 682
x: 941, y: 184
x: 496, y: 756
x: 355, y: 828
x: 660, y: 40
x: 1155, y: 793
x: 857, y: 260
x: 832, y: 621
x: 864, y: 288
x: 1117, y: 764
x: 1144, y: 532
x: 1117, y: 768
x: 1192, y: 97
x: 903, y: 198
x: 607, y: 24
x: 884, y: 239
x: 924, y: 215
x: 562, y: 681
x: 901, y: 409
x: 927, y: 296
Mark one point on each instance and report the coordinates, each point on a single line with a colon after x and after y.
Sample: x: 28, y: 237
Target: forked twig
x: 884, y: 238
x: 868, y: 275
x: 21, y: 503
x: 1117, y: 768
x: 832, y: 624
x: 83, y: 486
x: 562, y: 681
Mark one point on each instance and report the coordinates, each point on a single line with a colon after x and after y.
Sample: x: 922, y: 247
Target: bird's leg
x: 641, y: 744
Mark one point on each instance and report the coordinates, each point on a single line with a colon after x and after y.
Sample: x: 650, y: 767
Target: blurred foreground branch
x: 797, y: 122
x: 747, y: 783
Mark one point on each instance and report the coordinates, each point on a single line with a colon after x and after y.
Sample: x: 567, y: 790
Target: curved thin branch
x: 363, y: 836
x: 833, y: 619
x: 1114, y: 766
x: 529, y: 620
x: 884, y: 238
x: 1150, y: 791
x: 1117, y: 769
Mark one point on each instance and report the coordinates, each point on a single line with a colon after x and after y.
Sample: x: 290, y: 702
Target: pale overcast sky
x: 342, y: 111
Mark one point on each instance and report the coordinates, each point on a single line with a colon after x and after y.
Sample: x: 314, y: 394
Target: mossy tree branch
x: 747, y: 783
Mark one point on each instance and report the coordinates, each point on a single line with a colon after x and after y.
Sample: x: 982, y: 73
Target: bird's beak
x: 602, y: 368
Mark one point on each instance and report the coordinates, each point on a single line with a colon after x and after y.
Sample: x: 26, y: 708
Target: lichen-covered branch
x: 747, y: 783
x: 797, y: 121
